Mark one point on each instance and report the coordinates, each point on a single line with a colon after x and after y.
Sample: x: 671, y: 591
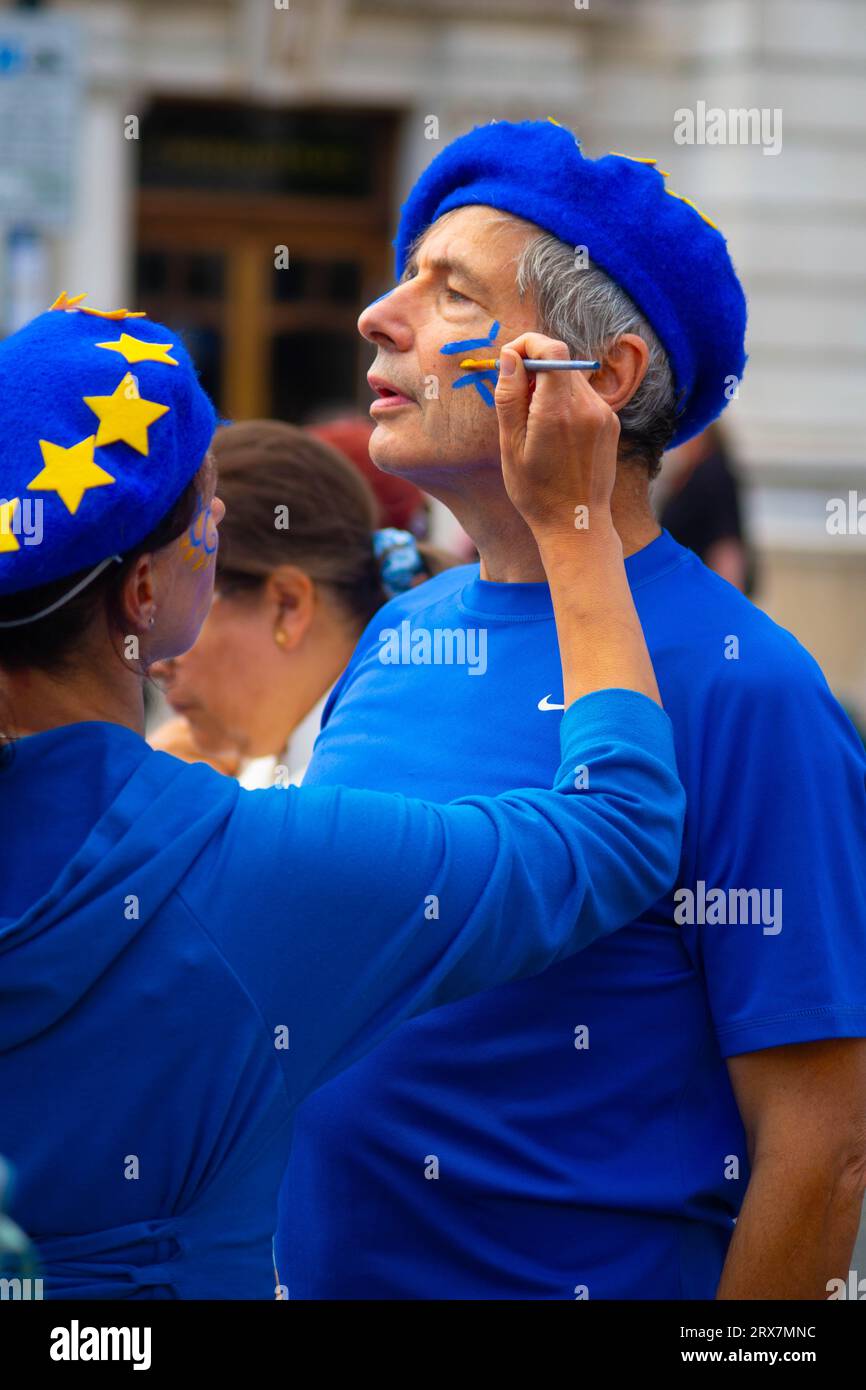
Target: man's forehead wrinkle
x: 445, y: 263
x: 458, y: 266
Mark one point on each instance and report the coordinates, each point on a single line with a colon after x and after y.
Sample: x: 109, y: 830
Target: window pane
x: 312, y: 370
x: 152, y: 272
x: 204, y: 275
x: 292, y: 282
x: 345, y: 282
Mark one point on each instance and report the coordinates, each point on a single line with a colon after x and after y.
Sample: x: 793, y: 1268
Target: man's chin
x: 399, y: 446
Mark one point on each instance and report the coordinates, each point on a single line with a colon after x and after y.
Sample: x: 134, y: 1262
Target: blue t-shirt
x: 576, y: 1134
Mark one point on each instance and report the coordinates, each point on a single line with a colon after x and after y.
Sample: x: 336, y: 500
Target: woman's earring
x: 280, y: 637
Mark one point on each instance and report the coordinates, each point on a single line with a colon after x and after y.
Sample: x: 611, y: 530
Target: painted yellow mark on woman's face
x: 200, y: 542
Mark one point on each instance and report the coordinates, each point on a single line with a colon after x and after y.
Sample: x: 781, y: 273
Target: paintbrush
x: 532, y: 364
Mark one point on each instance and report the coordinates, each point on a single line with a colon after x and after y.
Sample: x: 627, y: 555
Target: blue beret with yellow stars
x: 104, y: 423
x: 666, y: 254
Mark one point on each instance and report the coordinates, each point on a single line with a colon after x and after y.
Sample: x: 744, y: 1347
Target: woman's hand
x: 558, y: 441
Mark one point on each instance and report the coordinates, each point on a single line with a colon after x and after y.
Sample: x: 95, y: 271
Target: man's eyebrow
x: 451, y: 265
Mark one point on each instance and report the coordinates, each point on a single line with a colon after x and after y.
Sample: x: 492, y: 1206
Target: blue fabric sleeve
x: 345, y: 912
x: 783, y: 809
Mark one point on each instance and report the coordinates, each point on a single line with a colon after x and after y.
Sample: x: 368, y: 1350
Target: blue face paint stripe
x: 472, y: 379
x: 480, y: 381
x: 466, y: 344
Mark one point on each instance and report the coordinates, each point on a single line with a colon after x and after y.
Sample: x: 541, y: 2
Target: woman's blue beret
x: 104, y: 423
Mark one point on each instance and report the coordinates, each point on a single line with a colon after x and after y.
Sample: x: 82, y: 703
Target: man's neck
x: 505, y: 543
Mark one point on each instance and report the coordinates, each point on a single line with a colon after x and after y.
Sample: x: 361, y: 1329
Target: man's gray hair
x: 579, y: 304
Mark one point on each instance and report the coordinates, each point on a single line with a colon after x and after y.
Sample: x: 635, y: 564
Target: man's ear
x: 293, y: 595
x: 622, y: 371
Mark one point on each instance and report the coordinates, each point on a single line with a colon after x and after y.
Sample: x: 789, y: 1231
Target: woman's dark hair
x: 293, y: 500
x: 51, y: 643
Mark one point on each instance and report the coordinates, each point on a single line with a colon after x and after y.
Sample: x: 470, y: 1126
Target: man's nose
x: 385, y: 322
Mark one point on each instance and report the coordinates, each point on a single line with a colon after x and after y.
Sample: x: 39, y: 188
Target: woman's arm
x: 346, y: 912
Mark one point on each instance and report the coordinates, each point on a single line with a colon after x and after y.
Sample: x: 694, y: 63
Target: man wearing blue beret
x: 678, y: 1112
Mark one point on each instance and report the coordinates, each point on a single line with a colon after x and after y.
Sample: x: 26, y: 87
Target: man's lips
x: 388, y: 395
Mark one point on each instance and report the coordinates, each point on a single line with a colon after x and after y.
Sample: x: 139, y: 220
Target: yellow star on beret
x: 113, y: 313
x: 69, y: 472
x: 125, y: 416
x: 8, y: 539
x: 65, y: 301
x: 137, y: 350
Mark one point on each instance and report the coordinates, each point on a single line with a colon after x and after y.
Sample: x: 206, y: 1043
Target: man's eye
x: 455, y: 295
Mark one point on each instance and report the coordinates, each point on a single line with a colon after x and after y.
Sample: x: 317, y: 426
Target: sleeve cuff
x: 803, y: 1025
x: 616, y: 714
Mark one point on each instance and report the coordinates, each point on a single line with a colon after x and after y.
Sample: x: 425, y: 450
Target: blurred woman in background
x: 300, y: 573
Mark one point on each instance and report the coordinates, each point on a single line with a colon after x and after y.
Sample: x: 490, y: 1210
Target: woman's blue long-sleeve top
x: 181, y: 962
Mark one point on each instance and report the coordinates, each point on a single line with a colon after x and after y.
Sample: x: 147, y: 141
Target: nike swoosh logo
x: 545, y: 704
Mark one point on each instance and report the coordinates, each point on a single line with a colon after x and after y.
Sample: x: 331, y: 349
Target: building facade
x: 216, y: 136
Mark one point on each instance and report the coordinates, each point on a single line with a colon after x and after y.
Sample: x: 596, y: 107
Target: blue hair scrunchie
x: 399, y: 559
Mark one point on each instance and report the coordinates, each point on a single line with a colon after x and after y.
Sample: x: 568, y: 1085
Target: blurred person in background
x: 398, y: 502
x: 301, y: 571
x: 698, y: 502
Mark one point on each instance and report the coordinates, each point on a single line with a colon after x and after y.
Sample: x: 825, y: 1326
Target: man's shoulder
x: 442, y: 592
x: 727, y: 639
x: 730, y: 674
x: 443, y: 588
